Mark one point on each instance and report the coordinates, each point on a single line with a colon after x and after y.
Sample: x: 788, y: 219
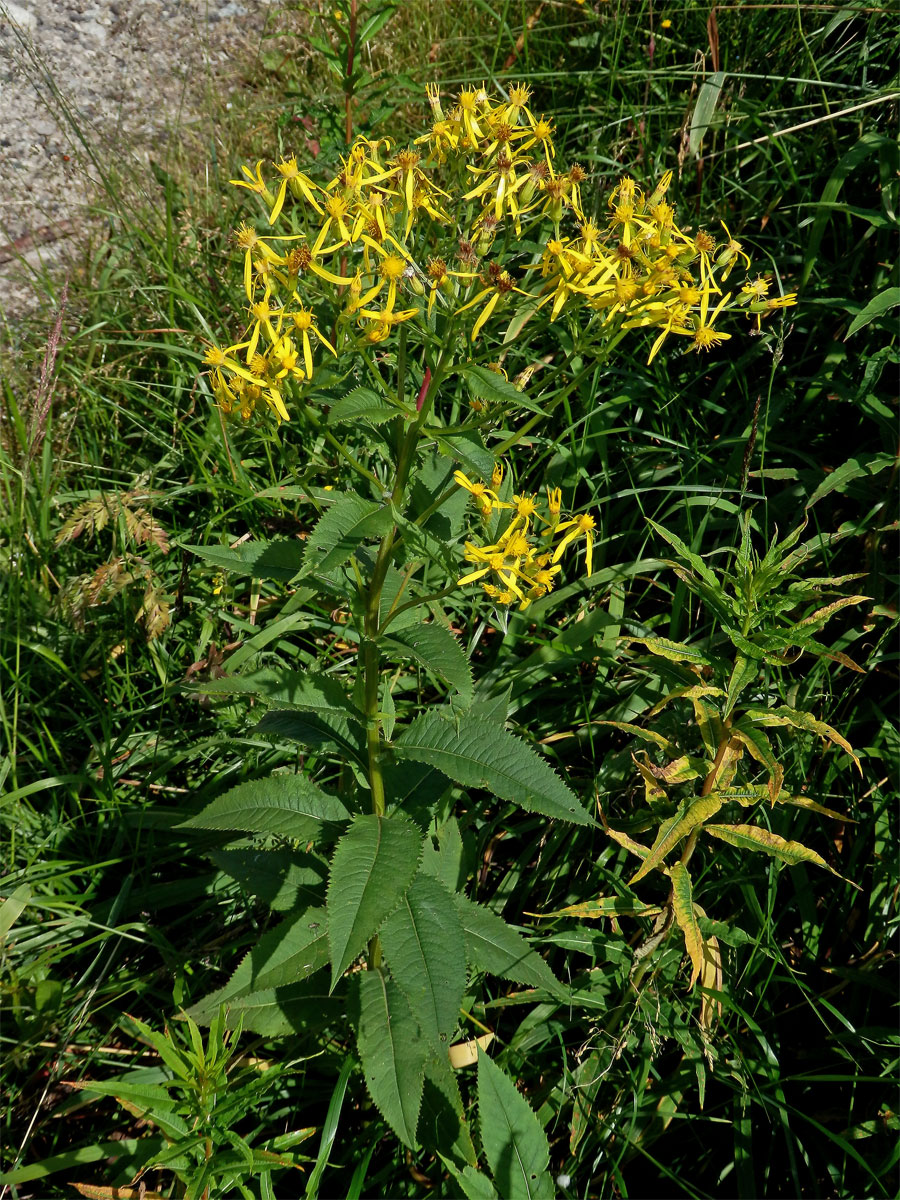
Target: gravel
x: 86, y: 82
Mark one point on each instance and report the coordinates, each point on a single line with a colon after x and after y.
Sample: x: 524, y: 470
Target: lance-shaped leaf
x: 478, y: 755
x: 711, y: 977
x: 495, y: 388
x: 287, y: 954
x: 473, y: 1184
x: 743, y: 672
x: 310, y: 690
x: 672, y: 831
x: 646, y: 735
x: 497, y: 948
x: 746, y: 794
x: 514, y: 1143
x: 624, y: 839
x: 425, y: 949
x: 752, y: 837
x: 822, y: 616
x: 261, y: 560
x: 802, y: 720
x: 287, y: 805
x: 373, y: 865
x: 684, y: 693
x: 751, y: 736
x: 362, y: 404
x: 284, y: 878
x: 683, y: 907
x: 814, y: 806
x: 340, y: 530
x: 468, y: 449
x: 605, y: 906
x: 442, y: 1120
x: 438, y: 650
x: 674, y: 651
x: 392, y: 1053
x: 276, y: 1012
x: 709, y: 723
x: 322, y: 730
x: 709, y: 577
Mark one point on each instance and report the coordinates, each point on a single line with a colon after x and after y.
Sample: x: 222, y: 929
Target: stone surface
x: 87, y: 82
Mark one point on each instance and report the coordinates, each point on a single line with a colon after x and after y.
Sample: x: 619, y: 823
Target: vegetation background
x: 780, y: 118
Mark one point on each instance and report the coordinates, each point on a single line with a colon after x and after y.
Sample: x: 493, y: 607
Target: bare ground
x: 89, y: 83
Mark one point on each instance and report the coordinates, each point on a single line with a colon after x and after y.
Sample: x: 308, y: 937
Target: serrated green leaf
x: 437, y: 649
x: 683, y: 907
x: 424, y: 947
x: 802, y: 720
x: 285, y: 688
x: 392, y: 1053
x: 442, y: 1120
x: 373, y: 865
x: 261, y: 560
x: 419, y: 542
x: 282, y: 878
x: 473, y: 1184
x: 285, y: 955
x: 446, y: 862
x: 498, y: 949
x: 342, y: 529
x: 495, y: 388
x: 362, y: 404
x: 469, y: 450
x: 478, y: 755
x: 323, y: 730
x: 752, y: 837
x: 514, y: 1143
x: 286, y: 805
x: 672, y: 831
x: 277, y: 1012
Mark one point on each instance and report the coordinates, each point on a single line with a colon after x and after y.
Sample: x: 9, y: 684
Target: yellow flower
x: 304, y: 323
x: 578, y: 526
x: 254, y: 182
x: 499, y: 283
x: 285, y: 354
x: 304, y: 258
x: 486, y: 498
x: 301, y: 186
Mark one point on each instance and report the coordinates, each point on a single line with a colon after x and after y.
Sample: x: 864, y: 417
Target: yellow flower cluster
x: 524, y: 561
x: 400, y: 232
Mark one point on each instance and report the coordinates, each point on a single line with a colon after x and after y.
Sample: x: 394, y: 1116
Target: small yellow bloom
x: 578, y: 526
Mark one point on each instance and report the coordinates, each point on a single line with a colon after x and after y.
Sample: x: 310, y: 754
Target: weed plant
x: 115, y: 918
